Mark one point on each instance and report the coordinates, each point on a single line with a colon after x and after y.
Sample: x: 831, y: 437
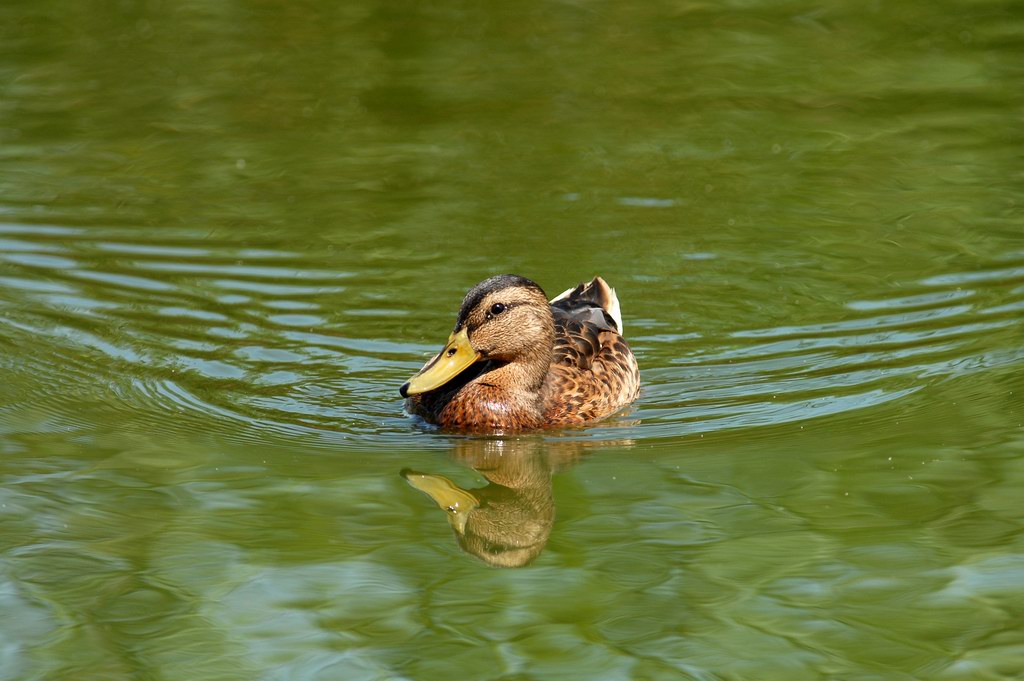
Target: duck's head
x: 504, y: 320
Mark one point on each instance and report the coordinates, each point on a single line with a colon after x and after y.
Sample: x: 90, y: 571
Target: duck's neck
x: 525, y: 376
x: 506, y: 397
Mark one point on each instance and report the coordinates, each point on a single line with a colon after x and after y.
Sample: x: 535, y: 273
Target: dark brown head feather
x: 489, y: 286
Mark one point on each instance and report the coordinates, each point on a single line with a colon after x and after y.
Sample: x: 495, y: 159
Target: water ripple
x: 212, y: 333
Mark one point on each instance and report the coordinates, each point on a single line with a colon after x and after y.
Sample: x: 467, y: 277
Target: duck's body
x: 517, y: 362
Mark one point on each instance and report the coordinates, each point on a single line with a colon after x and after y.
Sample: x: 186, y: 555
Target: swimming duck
x: 517, y: 362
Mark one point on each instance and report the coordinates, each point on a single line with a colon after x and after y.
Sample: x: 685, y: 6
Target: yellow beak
x: 457, y: 355
x: 447, y: 495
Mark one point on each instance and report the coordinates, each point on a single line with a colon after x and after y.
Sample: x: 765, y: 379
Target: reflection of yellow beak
x: 446, y: 494
x: 449, y: 363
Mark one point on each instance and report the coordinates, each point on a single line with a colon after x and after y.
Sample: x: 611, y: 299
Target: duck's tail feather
x: 595, y: 294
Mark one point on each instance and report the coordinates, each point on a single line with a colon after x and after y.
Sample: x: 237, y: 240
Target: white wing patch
x: 605, y: 294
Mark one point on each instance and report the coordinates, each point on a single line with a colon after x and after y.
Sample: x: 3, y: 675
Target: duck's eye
x: 497, y: 308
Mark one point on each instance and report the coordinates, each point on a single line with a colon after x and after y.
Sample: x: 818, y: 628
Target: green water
x: 229, y: 231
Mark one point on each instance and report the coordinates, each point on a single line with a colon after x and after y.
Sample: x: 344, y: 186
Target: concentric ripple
x: 169, y: 333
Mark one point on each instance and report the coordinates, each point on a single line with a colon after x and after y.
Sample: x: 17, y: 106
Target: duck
x: 508, y: 522
x: 517, y: 362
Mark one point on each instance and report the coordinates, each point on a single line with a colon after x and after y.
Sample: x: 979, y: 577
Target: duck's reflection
x: 507, y: 522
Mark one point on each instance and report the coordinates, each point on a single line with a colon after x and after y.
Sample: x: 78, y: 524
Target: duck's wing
x: 594, y: 302
x: 593, y: 372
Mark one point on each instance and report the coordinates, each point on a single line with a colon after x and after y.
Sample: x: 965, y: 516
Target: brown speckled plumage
x: 539, y: 364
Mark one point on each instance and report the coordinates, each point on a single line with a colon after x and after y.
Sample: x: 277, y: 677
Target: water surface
x: 229, y: 232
